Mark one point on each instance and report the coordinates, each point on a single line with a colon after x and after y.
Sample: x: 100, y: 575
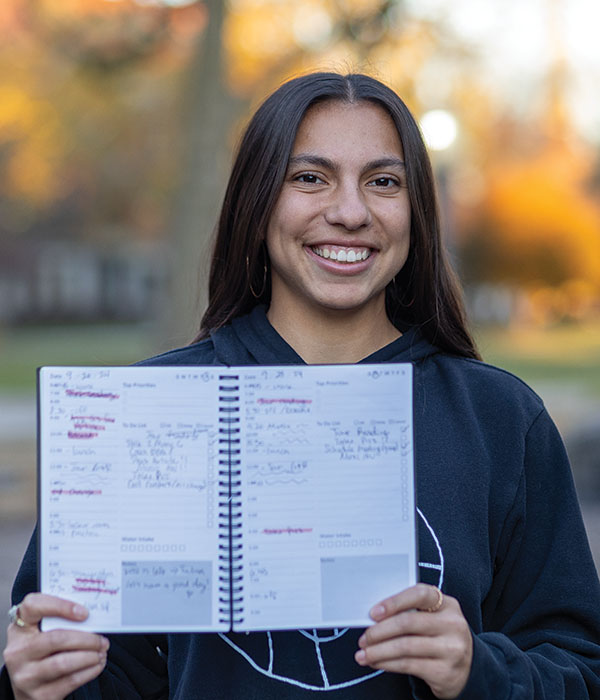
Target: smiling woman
x: 335, y: 164
x: 340, y: 230
x: 328, y: 251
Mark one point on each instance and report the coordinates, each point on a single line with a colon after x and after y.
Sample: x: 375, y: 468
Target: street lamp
x: 439, y: 129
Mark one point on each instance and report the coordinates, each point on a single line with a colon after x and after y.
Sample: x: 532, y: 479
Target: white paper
x: 328, y: 493
x: 129, y: 496
x: 130, y: 500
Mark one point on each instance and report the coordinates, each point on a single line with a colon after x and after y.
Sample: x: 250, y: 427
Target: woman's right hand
x: 50, y: 665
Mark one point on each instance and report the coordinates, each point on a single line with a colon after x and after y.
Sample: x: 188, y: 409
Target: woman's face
x: 340, y: 229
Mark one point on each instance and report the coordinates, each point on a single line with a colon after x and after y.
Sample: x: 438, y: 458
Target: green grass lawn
x: 22, y: 350
x: 566, y: 353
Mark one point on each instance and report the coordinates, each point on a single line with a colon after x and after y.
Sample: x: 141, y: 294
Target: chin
x: 346, y: 306
x: 351, y: 300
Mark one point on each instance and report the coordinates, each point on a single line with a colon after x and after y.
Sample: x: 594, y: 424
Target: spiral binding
x: 231, y: 599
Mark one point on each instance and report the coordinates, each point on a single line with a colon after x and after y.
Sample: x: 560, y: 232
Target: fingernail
x: 360, y: 657
x: 105, y: 644
x: 362, y: 641
x: 102, y: 658
x: 79, y: 611
x: 377, y: 611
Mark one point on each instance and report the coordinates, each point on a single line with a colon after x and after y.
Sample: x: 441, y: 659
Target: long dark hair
x: 424, y: 293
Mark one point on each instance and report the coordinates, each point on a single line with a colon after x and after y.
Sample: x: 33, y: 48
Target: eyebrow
x: 326, y: 163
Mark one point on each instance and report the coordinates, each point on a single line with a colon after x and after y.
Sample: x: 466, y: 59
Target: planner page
x: 327, y: 488
x: 128, y: 496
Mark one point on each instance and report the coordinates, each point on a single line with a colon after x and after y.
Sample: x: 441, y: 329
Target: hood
x: 251, y: 340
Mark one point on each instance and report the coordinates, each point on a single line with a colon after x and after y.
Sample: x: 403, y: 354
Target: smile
x: 342, y: 254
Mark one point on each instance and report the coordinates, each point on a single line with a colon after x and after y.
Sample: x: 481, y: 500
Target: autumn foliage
x: 537, y: 225
x: 91, y: 130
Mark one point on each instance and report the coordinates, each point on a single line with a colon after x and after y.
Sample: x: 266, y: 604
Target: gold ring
x: 438, y: 604
x: 15, y: 618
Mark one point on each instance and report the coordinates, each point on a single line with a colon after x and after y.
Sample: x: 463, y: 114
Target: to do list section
x: 130, y: 478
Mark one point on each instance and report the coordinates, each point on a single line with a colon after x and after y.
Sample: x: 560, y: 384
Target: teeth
x: 346, y: 256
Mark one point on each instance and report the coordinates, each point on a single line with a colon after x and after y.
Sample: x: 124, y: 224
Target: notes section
x: 129, y: 474
x: 328, y: 493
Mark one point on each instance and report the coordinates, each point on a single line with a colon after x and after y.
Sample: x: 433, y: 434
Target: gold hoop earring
x: 264, y: 283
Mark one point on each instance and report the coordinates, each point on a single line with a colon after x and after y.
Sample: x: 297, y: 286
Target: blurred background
x: 117, y: 123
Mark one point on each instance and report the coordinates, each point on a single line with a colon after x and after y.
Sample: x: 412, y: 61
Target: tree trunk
x: 208, y: 113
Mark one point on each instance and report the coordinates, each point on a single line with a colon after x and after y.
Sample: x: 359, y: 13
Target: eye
x: 385, y: 181
x: 309, y: 179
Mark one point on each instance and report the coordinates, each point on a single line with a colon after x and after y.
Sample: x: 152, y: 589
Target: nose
x: 348, y: 208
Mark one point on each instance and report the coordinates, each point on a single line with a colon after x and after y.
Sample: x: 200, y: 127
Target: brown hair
x: 424, y: 292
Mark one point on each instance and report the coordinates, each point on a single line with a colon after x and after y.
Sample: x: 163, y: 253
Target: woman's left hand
x: 421, y: 633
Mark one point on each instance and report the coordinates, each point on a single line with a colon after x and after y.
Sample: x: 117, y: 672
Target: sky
x: 520, y: 40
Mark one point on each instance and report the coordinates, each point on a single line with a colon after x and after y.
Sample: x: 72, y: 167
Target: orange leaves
x: 32, y: 140
x: 267, y: 41
x: 542, y: 204
x: 73, y: 8
x: 80, y: 84
x: 538, y: 226
x: 259, y: 35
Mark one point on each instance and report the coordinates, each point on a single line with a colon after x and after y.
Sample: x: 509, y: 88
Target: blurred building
x: 69, y: 281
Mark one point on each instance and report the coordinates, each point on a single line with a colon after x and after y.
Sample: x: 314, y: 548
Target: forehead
x: 359, y: 130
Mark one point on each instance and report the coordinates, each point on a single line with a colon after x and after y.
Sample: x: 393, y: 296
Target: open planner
x: 182, y: 499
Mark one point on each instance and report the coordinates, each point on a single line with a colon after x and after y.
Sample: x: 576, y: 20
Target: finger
x: 64, y: 686
x: 444, y: 681
x: 412, y: 622
x: 399, y: 648
x: 430, y: 670
x: 30, y: 674
x: 35, y: 606
x: 57, y: 641
x: 420, y: 596
x: 67, y: 663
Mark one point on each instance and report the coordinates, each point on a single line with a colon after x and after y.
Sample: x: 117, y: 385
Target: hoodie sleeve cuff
x: 487, y: 680
x: 6, y: 692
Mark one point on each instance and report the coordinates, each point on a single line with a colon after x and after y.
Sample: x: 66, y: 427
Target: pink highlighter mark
x: 76, y: 492
x: 263, y: 401
x: 95, y: 589
x: 96, y: 419
x: 92, y: 394
x: 81, y: 436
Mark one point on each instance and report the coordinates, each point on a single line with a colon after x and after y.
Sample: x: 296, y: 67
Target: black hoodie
x: 499, y: 529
